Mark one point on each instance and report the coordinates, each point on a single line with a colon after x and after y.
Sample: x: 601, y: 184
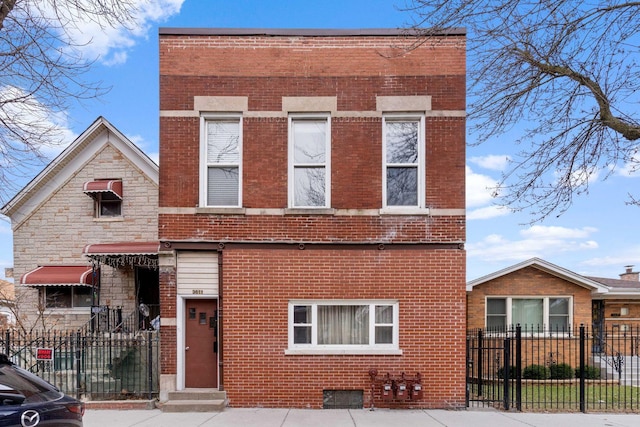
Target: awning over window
x: 61, y: 275
x: 113, y: 186
x: 124, y: 253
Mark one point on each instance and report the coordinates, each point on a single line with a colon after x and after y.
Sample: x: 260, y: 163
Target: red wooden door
x: 201, y: 347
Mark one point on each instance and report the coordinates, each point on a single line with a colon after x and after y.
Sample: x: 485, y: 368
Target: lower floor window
x: 553, y: 313
x: 67, y: 296
x: 346, y: 324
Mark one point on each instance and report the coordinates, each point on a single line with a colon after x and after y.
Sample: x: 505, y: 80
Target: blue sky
x: 597, y: 236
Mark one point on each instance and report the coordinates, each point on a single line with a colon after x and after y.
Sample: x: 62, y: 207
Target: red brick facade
x: 271, y: 255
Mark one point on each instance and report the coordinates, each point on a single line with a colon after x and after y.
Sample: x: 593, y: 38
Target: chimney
x: 629, y: 274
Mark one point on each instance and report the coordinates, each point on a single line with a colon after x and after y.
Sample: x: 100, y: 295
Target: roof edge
x: 311, y: 32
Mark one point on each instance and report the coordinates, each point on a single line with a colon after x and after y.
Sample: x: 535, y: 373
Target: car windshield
x: 19, y: 386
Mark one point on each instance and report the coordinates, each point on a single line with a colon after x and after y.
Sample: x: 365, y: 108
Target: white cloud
x: 487, y: 212
x: 29, y: 111
x: 479, y: 188
x: 95, y: 38
x: 492, y: 161
x: 632, y: 167
x: 536, y: 241
x: 630, y: 256
x: 555, y: 232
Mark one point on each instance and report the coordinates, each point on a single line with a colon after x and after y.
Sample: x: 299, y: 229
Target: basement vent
x: 342, y: 399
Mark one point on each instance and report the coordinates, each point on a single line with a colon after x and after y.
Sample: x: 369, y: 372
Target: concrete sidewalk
x: 247, y: 417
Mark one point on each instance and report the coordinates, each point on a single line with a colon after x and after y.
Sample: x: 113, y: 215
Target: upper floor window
x: 309, y: 161
x: 107, y: 196
x: 221, y: 161
x: 552, y: 313
x: 404, y: 161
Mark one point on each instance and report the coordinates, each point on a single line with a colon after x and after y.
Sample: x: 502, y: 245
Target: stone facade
x: 58, y: 227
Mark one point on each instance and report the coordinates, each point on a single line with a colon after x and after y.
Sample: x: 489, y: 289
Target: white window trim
x: 545, y: 307
x: 421, y: 207
x: 327, y: 164
x: 204, y: 118
x: 372, y: 349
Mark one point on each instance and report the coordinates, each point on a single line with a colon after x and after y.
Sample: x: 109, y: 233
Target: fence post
x: 479, y: 362
x: 519, y: 367
x: 7, y: 346
x: 150, y: 363
x: 507, y: 368
x: 77, y: 362
x: 582, y: 370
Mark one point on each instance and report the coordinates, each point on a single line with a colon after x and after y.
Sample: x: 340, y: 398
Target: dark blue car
x: 28, y: 401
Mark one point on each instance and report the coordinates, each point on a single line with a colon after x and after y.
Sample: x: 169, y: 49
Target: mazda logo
x: 30, y: 418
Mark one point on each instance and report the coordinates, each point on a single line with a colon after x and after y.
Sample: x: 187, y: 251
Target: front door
x: 201, y: 346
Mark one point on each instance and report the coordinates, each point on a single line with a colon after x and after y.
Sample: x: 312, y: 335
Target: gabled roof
x: 70, y: 160
x: 547, y: 267
x: 619, y: 287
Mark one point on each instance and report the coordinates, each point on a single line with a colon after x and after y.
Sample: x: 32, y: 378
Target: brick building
x: 85, y: 233
x: 311, y: 215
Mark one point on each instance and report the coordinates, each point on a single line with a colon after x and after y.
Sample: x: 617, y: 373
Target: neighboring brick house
x: 312, y: 215
x: 84, y: 232
x: 538, y: 293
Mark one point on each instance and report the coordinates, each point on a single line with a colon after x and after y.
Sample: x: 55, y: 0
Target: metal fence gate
x: 91, y: 366
x: 538, y: 369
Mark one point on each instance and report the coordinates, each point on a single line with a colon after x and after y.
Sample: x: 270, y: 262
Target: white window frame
x: 293, y: 117
x: 421, y: 163
x: 545, y: 307
x: 346, y: 349
x: 213, y: 117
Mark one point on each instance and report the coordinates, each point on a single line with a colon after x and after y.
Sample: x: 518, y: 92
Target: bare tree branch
x: 563, y: 76
x: 43, y: 70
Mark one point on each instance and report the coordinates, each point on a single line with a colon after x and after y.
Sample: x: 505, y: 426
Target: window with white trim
x: 552, y: 313
x: 309, y: 161
x: 343, y: 325
x: 404, y: 160
x: 221, y: 161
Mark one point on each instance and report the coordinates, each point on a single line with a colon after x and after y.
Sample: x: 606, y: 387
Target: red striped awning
x: 60, y: 275
x: 113, y: 186
x: 123, y: 248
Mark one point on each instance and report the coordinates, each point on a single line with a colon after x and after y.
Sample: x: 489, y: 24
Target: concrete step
x: 191, y: 394
x: 195, y: 400
x: 196, y: 405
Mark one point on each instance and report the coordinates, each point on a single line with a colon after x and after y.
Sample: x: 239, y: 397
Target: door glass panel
x: 192, y: 314
x: 203, y: 318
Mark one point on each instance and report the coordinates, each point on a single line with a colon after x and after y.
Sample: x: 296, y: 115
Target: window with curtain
x: 550, y: 312
x: 345, y: 324
x: 309, y: 154
x: 222, y: 161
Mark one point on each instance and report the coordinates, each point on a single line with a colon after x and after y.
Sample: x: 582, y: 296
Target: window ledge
x: 221, y: 211
x: 310, y: 211
x: 68, y: 310
x: 109, y: 219
x: 341, y: 351
x: 404, y: 210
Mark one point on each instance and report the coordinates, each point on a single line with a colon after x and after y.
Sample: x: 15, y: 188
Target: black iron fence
x: 91, y: 366
x: 539, y: 369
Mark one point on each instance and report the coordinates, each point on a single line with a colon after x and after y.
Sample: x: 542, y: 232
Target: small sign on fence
x: 44, y: 354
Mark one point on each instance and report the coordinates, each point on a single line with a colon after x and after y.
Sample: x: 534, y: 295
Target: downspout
x: 220, y: 321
